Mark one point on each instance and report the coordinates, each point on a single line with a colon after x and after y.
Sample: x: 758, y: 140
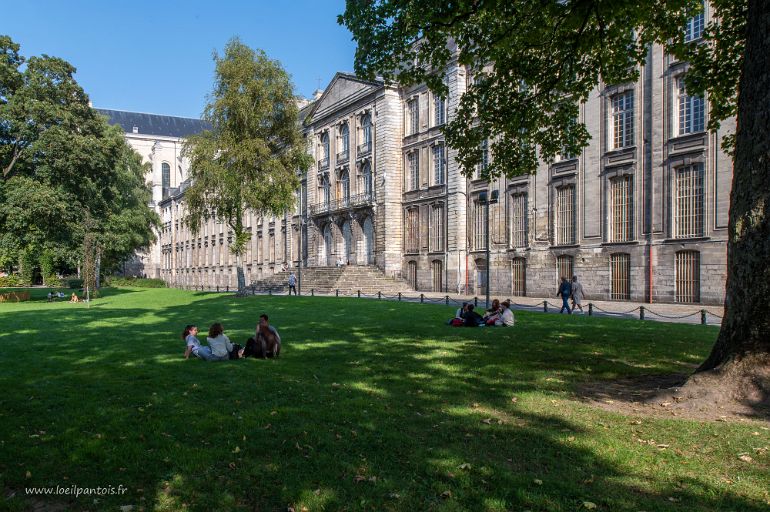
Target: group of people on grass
x: 52, y: 296
x: 499, y: 314
x: 571, y: 290
x: 266, y: 343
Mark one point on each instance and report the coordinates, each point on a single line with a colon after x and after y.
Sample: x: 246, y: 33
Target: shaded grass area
x: 372, y: 406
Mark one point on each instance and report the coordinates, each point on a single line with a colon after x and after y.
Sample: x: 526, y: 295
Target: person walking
x: 292, y: 283
x: 565, y: 290
x: 577, y: 295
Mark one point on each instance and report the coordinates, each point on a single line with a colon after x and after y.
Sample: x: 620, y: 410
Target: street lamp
x: 492, y: 199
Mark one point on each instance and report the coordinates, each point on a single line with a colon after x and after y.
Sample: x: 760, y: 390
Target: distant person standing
x: 565, y: 290
x: 292, y: 283
x: 577, y: 295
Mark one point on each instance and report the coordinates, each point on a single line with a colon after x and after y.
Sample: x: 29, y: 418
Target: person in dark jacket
x: 471, y: 318
x: 565, y: 290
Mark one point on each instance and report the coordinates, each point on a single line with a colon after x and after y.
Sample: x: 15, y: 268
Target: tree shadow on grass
x: 371, y: 407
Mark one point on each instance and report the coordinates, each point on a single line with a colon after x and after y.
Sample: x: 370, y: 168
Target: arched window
x: 344, y: 143
x: 369, y: 240
x: 366, y: 173
x: 343, y: 187
x: 323, y: 158
x: 366, y: 134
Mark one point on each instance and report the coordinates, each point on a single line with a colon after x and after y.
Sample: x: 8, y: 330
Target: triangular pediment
x: 343, y: 90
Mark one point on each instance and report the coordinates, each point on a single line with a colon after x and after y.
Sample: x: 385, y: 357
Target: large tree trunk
x: 746, y: 324
x: 240, y: 273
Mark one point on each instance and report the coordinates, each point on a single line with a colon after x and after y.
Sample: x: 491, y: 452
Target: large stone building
x: 640, y: 214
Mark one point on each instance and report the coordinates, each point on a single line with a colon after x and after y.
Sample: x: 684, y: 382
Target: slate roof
x: 154, y: 124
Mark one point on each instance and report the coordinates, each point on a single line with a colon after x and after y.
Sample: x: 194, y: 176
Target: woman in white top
x: 221, y: 348
x: 194, y: 346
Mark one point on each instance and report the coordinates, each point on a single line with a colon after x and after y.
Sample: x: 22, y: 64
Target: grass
x: 372, y: 406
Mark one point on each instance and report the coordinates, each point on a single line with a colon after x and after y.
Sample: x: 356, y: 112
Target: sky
x: 156, y: 56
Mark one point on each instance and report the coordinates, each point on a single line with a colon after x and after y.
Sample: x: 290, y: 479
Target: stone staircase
x: 326, y: 280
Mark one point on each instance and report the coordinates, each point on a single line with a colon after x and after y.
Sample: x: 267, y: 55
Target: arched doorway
x: 347, y: 242
x: 369, y: 241
x: 325, y: 249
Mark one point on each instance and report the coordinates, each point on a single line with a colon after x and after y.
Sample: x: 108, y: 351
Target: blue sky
x: 156, y: 56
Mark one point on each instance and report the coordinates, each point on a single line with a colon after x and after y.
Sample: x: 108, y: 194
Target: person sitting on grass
x: 221, y: 348
x: 458, y: 321
x: 74, y: 297
x: 471, y: 318
x: 60, y: 294
x: 194, y: 347
x: 506, y: 318
x: 266, y: 341
x: 493, y: 314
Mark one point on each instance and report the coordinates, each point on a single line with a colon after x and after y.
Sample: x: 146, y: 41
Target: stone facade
x: 640, y: 214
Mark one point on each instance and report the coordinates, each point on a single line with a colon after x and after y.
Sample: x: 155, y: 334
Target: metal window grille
x: 519, y: 220
x: 565, y: 267
x: 412, y: 274
x: 688, y: 276
x: 620, y: 276
x: 412, y: 231
x: 414, y: 116
x: 519, y: 277
x: 692, y: 111
x: 693, y: 28
x: 689, y: 201
x: 437, y: 228
x: 565, y: 215
x: 479, y: 226
x: 438, y: 164
x: 439, y: 106
x: 622, y: 107
x: 621, y: 209
x: 437, y: 272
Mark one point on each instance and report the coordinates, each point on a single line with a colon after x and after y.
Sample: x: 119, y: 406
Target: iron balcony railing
x: 364, y: 148
x: 323, y: 164
x: 343, y: 156
x: 341, y: 204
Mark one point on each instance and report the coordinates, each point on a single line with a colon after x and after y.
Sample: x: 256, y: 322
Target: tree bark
x: 241, y: 274
x: 746, y: 324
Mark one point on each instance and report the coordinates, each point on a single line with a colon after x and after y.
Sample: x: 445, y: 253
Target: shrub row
x: 139, y: 282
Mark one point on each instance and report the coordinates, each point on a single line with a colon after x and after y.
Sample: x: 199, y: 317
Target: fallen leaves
x: 745, y: 457
x: 589, y: 505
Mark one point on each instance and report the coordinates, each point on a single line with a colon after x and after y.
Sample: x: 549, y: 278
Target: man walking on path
x: 565, y: 290
x: 292, y: 283
x: 577, y: 295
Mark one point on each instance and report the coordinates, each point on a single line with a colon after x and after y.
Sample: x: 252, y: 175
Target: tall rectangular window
x: 519, y: 277
x: 260, y: 253
x: 622, y: 123
x: 439, y: 110
x: 688, y: 276
x: 484, y: 158
x: 519, y: 220
x: 620, y: 276
x: 691, y: 110
x: 414, y: 116
x: 412, y: 230
x: 479, y: 226
x: 438, y: 164
x: 437, y: 274
x: 413, y: 162
x: 621, y: 209
x: 565, y: 215
x: 565, y: 267
x: 271, y: 247
x: 436, y: 228
x: 688, y: 204
x: 693, y: 28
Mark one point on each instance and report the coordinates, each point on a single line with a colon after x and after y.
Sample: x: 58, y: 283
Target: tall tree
x: 250, y: 157
x: 533, y: 62
x: 61, y: 162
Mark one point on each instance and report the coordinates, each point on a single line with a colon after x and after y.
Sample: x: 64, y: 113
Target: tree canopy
x: 61, y: 162
x: 533, y: 62
x: 250, y: 158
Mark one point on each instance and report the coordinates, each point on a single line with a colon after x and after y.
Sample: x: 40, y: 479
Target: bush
x: 74, y: 283
x: 10, y: 281
x: 135, y: 281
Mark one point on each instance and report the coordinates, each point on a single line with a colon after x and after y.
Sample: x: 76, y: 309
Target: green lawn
x: 373, y: 405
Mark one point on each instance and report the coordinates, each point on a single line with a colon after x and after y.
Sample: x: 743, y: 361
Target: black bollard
x: 641, y: 312
x: 703, y: 317
x: 590, y: 309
